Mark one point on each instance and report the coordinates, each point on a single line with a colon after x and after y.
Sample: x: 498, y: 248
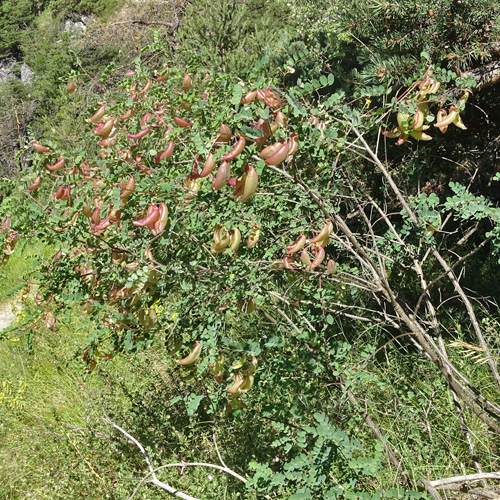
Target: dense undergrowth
x: 359, y: 362
x: 55, y: 444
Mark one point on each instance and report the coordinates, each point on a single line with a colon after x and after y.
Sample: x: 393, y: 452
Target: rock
x: 6, y: 70
x: 7, y: 316
x: 76, y: 26
x: 26, y: 74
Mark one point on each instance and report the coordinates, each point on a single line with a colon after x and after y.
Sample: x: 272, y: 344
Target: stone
x: 6, y: 67
x: 75, y: 26
x: 26, y: 74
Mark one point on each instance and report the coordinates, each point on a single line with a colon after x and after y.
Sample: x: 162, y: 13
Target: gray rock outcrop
x: 26, y: 74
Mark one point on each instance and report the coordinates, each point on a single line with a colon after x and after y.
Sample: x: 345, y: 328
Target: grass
x: 20, y: 266
x: 53, y: 443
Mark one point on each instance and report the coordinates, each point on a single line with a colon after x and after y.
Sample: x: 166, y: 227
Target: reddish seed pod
x: 40, y: 149
x: 160, y: 224
x: 166, y: 154
x: 271, y: 99
x: 208, y: 167
x: 56, y: 166
x: 224, y: 135
x: 279, y: 156
x: 127, y: 187
x: 151, y: 209
x: 270, y: 150
x: 36, y: 184
x: 146, y: 87
x: 151, y: 218
x: 96, y: 117
x: 161, y: 78
x: 186, y: 83
x: 293, y: 144
x: 238, y: 148
x: 114, y: 215
x: 59, y: 192
x: 249, y: 184
x: 181, y: 123
x: 331, y: 267
x: 238, y: 185
x: 95, y: 218
x: 66, y: 193
x: 320, y: 255
x: 102, y: 225
x: 194, y: 171
x: 266, y: 128
x: 222, y: 176
x: 139, y: 135
x: 248, y: 97
x: 298, y: 245
x: 305, y: 258
x: 103, y: 130
x: 128, y: 114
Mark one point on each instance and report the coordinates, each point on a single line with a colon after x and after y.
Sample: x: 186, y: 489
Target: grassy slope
x: 53, y: 443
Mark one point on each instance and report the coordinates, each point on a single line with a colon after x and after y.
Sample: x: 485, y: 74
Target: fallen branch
x: 465, y: 478
x: 152, y: 471
x: 485, y: 76
x: 463, y: 488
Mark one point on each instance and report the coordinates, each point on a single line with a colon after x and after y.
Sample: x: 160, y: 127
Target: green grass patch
x: 55, y: 445
x: 20, y: 267
x: 53, y: 442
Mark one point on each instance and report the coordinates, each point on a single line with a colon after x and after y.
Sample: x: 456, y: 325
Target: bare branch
x: 218, y: 452
x: 156, y: 481
x: 462, y: 479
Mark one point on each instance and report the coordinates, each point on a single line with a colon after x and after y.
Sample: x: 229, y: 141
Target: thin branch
x: 472, y: 315
x: 424, y: 485
x: 166, y: 486
x: 203, y: 464
x: 218, y: 452
x: 465, y: 478
x: 464, y: 488
x: 156, y: 481
x: 455, y: 264
x: 278, y: 296
x: 183, y: 465
x: 431, y: 349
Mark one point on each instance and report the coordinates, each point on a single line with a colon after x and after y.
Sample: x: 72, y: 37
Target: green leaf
x: 192, y: 403
x: 302, y: 494
x: 237, y: 93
